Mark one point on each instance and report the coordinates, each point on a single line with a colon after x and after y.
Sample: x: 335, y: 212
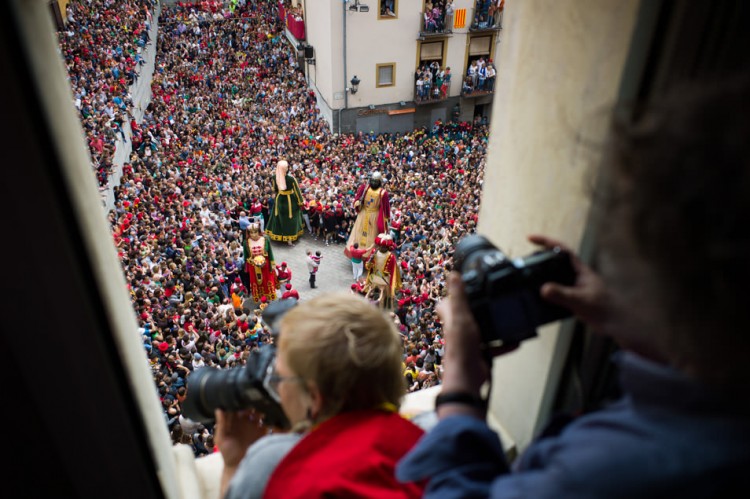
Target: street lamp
x: 355, y: 84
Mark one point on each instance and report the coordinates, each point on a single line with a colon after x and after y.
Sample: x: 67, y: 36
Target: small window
x: 386, y: 74
x: 388, y: 9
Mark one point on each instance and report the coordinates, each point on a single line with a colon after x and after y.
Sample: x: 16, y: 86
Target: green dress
x: 285, y: 221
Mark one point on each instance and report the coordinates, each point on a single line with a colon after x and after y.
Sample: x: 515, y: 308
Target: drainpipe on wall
x: 346, y: 94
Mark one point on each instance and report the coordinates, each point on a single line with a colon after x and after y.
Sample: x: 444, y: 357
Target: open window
x: 431, y: 78
x: 437, y: 17
x: 488, y: 14
x: 388, y: 9
x: 480, y: 71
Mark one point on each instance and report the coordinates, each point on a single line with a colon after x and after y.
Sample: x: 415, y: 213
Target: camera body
x: 503, y: 293
x: 240, y: 388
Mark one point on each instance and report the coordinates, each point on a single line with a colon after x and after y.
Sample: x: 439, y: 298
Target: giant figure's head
x: 376, y: 180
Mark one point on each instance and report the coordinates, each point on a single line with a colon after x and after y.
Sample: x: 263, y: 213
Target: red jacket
x: 353, y: 454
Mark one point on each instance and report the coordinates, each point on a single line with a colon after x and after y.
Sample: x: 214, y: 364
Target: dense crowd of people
x: 228, y: 102
x: 102, y: 47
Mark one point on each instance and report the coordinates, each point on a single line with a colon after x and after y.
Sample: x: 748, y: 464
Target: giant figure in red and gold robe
x: 259, y: 264
x: 374, y: 208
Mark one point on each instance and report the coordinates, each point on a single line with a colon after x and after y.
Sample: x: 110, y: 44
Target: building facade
x: 381, y: 66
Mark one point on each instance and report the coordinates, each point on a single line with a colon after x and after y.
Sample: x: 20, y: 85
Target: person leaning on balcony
x: 472, y: 72
x: 674, y: 258
x: 496, y: 13
x: 427, y: 85
x: 446, y: 83
x: 491, y: 73
x: 339, y: 380
x: 449, y: 16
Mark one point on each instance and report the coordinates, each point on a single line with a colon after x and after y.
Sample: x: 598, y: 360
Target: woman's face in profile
x: 294, y: 398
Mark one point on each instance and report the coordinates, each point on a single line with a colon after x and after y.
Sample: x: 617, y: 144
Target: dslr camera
x: 503, y: 293
x: 247, y: 387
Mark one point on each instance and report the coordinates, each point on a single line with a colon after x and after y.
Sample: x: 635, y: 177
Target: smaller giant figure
x: 383, y: 273
x: 259, y: 264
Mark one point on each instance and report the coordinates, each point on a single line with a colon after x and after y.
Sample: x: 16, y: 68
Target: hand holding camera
x: 589, y: 299
x: 241, y: 388
x: 236, y: 431
x: 494, y: 304
x: 504, y: 294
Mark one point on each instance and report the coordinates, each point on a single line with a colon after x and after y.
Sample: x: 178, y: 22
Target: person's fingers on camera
x: 464, y: 366
x: 547, y: 242
x: 456, y: 313
x: 558, y: 294
x: 220, y: 418
x: 588, y: 299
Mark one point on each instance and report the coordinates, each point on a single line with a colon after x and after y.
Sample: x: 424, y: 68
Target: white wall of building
x: 371, y: 41
x: 322, y: 33
x: 561, y: 66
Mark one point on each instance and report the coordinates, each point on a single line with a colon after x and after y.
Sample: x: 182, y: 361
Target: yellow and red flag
x: 460, y: 19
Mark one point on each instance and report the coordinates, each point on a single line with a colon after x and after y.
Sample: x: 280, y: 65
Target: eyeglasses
x: 272, y: 381
x: 275, y: 380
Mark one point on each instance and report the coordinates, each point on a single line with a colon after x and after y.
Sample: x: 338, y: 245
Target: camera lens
x: 467, y: 247
x: 210, y: 389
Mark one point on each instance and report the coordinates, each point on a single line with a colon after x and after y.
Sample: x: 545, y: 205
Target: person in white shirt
x: 198, y: 361
x: 449, y: 16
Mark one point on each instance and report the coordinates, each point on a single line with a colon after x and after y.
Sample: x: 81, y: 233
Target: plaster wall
x: 560, y: 70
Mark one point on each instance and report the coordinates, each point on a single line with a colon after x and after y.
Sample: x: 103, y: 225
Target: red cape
x: 353, y: 454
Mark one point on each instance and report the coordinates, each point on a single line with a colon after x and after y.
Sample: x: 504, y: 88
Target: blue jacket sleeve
x: 460, y: 457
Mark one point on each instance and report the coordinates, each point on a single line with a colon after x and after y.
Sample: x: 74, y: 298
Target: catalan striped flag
x: 459, y: 20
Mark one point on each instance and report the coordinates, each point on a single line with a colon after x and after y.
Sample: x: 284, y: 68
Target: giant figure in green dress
x: 285, y: 220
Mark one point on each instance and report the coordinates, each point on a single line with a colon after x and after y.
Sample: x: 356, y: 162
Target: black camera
x: 239, y: 388
x: 503, y: 293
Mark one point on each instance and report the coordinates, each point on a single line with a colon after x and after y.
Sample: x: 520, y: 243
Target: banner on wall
x: 459, y: 20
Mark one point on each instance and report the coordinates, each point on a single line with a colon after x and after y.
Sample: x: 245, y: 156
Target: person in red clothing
x: 358, y: 255
x: 290, y: 293
x: 349, y: 432
x: 283, y: 274
x: 256, y: 212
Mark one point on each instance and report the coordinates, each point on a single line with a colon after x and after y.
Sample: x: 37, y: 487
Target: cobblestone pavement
x: 334, y: 273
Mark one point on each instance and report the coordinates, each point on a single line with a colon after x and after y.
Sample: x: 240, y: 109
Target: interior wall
x: 561, y: 68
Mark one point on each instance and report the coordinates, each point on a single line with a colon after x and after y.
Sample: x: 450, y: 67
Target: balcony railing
x: 293, y: 21
x: 487, y: 16
x: 472, y: 87
x: 296, y: 26
x: 434, y: 22
x: 430, y: 92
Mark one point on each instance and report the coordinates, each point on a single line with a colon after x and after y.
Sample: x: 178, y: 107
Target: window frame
x: 393, y: 74
x: 383, y: 17
x: 468, y: 57
x: 443, y: 41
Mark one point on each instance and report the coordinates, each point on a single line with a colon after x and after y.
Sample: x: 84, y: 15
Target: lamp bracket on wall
x: 358, y: 7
